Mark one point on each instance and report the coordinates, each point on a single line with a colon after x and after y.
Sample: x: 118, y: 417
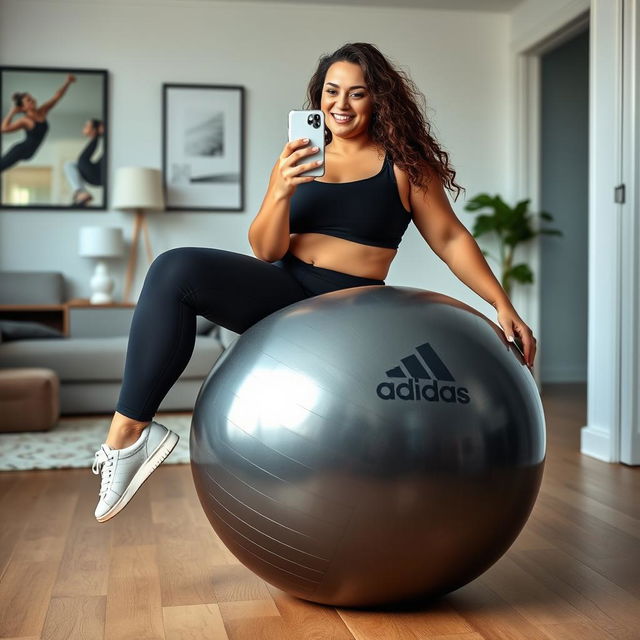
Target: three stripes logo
x: 429, y: 366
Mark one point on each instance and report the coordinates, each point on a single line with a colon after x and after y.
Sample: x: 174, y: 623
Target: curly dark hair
x: 17, y: 98
x: 397, y: 123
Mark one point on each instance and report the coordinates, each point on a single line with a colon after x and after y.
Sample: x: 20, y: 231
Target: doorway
x: 564, y: 189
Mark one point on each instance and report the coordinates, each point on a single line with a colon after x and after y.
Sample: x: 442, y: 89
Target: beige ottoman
x: 29, y: 399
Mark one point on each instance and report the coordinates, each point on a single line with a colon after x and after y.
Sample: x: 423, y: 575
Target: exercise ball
x: 369, y: 445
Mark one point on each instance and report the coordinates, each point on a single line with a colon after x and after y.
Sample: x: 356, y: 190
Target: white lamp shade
x: 100, y: 242
x: 138, y: 188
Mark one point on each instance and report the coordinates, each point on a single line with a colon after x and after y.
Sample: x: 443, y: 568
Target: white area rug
x: 73, y: 442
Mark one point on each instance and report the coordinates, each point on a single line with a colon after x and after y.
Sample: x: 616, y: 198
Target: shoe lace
x: 103, y: 463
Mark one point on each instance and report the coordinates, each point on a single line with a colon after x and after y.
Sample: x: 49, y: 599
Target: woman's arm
x: 454, y: 245
x: 8, y: 126
x: 269, y: 231
x: 47, y: 106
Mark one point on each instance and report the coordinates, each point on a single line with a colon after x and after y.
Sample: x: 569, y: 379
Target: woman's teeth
x: 341, y: 118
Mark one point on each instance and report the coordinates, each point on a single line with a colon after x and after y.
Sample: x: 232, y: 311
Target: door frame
x: 612, y: 432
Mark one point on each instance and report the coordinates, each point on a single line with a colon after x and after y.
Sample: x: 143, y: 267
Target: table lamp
x: 101, y: 243
x: 138, y: 189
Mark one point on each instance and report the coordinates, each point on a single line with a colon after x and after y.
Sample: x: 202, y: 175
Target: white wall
x: 532, y: 20
x: 457, y: 59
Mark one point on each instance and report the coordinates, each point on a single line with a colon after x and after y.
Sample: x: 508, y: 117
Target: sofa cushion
x: 22, y: 330
x: 95, y: 359
x: 32, y: 287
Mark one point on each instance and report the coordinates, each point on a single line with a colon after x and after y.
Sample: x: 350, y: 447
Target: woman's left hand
x: 512, y: 324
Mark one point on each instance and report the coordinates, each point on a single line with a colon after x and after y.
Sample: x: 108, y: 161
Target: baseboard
x: 595, y: 443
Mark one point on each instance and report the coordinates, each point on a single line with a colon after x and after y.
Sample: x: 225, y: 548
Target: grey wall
x: 564, y: 178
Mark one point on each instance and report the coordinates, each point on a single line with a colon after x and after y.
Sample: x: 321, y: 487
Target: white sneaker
x: 124, y: 470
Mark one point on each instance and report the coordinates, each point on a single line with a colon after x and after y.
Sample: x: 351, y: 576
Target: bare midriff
x: 342, y: 255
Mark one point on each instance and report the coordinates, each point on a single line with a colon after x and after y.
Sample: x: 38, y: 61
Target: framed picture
x: 203, y: 147
x: 53, y: 149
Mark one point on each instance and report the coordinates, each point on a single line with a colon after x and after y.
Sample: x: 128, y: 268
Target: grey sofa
x: 90, y: 368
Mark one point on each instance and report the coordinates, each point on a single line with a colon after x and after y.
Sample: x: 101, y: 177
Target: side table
x: 88, y: 320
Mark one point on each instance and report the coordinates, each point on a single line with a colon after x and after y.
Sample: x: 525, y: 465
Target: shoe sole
x: 158, y: 456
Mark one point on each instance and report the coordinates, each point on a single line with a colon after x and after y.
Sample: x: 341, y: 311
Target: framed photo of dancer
x: 203, y: 147
x: 53, y: 147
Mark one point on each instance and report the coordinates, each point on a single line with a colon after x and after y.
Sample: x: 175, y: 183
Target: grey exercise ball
x: 369, y: 445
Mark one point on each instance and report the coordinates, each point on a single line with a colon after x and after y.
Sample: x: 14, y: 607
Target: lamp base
x: 101, y: 285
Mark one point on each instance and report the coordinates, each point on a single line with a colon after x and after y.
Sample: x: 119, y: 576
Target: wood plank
x: 248, y: 609
x: 16, y: 506
x: 77, y: 618
x: 427, y: 619
x: 84, y: 568
x: 530, y: 597
x: 575, y: 631
x: 236, y: 582
x: 188, y: 560
x: 194, y: 622
x: 27, y: 583
x: 133, y: 598
x: 133, y: 526
x: 306, y: 619
x: 271, y: 628
x: 25, y: 592
x: 490, y: 615
x: 604, y: 604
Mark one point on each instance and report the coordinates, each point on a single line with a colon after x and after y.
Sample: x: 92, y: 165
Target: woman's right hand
x: 287, y: 177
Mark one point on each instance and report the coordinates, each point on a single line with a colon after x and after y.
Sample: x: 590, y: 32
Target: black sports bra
x: 37, y: 133
x: 367, y: 211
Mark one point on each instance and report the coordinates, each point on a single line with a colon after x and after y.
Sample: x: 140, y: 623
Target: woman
x: 85, y: 170
x: 307, y: 241
x: 34, y: 122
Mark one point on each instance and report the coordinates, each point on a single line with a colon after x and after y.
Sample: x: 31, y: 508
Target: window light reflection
x: 270, y: 398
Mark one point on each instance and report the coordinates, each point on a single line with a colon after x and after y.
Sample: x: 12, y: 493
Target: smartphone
x: 309, y: 124
x: 518, y: 345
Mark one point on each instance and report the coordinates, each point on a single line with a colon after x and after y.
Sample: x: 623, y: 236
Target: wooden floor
x: 157, y: 569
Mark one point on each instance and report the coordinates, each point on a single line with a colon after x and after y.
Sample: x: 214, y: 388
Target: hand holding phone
x: 287, y: 176
x: 300, y: 161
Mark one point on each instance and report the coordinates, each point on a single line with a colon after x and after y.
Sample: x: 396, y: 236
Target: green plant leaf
x: 521, y: 273
x: 512, y: 226
x: 478, y: 202
x: 484, y: 224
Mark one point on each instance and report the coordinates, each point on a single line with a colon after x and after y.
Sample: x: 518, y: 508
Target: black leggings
x: 231, y: 289
x: 20, y: 151
x: 91, y: 172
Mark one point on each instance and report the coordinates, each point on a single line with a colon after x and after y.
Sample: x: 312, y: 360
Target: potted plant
x: 513, y: 227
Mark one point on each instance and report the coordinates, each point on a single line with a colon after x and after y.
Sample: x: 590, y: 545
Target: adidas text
x: 430, y: 392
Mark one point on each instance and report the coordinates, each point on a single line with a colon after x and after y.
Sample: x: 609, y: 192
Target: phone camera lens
x: 310, y: 119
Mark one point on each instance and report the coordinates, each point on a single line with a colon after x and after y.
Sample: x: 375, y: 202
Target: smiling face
x: 345, y: 92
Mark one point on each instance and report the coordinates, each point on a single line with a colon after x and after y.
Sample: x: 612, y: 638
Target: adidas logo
x: 418, y: 369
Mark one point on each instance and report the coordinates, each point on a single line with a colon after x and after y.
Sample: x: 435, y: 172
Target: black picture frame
x: 58, y: 119
x: 203, y: 155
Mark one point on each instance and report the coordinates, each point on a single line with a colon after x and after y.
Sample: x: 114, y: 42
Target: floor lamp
x: 140, y: 190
